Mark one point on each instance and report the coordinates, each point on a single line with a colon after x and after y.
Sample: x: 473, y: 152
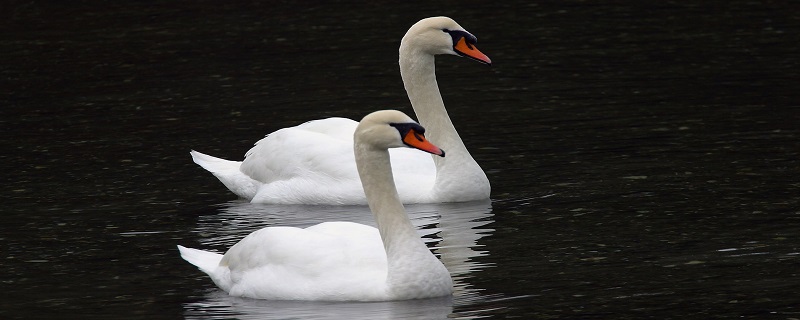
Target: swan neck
x: 375, y: 171
x: 418, y: 70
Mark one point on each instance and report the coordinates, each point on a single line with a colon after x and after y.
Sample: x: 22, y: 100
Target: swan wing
x: 329, y: 261
x: 313, y: 163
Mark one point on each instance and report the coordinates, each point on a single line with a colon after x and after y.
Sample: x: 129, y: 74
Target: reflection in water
x: 665, y: 136
x: 451, y: 230
x: 219, y: 305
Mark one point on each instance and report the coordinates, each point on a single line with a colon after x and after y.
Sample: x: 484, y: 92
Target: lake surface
x: 644, y: 157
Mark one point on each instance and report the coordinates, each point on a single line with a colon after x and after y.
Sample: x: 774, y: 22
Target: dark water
x: 644, y: 158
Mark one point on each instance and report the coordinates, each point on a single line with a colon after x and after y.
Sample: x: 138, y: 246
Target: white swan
x: 313, y: 163
x: 341, y: 261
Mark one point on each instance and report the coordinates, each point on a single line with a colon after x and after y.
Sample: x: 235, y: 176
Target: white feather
x: 312, y: 163
x: 338, y: 261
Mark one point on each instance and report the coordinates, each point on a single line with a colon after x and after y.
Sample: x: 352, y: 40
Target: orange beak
x: 418, y: 141
x: 471, y: 51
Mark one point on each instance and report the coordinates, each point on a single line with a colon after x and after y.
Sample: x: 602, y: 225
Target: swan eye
x: 458, y: 35
x: 404, y: 128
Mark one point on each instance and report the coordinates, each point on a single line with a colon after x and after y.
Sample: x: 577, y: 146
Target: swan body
x: 341, y: 261
x: 312, y: 163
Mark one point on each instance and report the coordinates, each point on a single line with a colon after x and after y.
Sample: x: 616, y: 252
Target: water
x: 643, y: 157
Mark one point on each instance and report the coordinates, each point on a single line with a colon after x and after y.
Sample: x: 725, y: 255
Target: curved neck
x: 458, y: 169
x: 418, y: 71
x: 400, y: 239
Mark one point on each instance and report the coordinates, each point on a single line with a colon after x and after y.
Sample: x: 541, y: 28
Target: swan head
x: 442, y: 35
x: 393, y: 129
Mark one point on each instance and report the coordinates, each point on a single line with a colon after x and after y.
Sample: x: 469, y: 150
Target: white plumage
x: 340, y: 261
x: 312, y: 163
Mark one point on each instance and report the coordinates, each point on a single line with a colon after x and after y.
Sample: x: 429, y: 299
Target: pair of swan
x: 344, y: 261
x: 341, y: 261
x: 313, y: 163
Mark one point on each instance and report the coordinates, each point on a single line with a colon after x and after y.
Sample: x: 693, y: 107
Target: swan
x: 341, y: 261
x: 312, y: 163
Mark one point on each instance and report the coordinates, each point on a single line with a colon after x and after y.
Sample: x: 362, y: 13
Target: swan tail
x: 228, y: 173
x: 214, y: 164
x: 203, y: 260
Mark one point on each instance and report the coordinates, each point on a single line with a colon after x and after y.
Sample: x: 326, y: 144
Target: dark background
x: 643, y: 155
